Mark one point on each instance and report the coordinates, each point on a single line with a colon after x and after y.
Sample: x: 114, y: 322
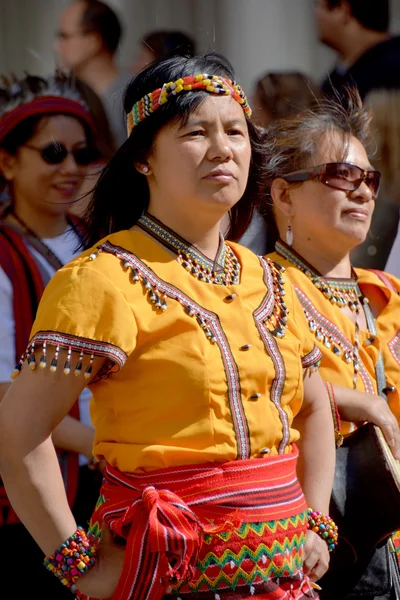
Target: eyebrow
x: 204, y: 123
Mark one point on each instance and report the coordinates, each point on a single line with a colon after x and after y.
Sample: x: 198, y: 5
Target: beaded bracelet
x: 324, y: 526
x: 72, y: 559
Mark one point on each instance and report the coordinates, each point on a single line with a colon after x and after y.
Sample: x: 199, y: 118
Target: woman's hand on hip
x: 316, y: 556
x: 102, y: 579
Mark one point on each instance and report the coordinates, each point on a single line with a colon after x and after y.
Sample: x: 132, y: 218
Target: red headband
x: 41, y: 106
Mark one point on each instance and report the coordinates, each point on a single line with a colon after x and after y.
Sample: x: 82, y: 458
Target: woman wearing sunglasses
x: 195, y: 367
x: 46, y: 138
x: 323, y: 190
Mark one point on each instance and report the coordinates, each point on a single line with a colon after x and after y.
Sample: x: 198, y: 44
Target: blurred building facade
x: 256, y: 35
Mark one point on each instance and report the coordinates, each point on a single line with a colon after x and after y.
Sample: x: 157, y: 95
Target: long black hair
x: 121, y: 195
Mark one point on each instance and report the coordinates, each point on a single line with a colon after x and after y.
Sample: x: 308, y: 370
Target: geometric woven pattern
x: 230, y: 547
x: 252, y: 554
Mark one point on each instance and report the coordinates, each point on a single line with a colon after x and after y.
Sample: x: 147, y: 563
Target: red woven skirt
x: 215, y: 531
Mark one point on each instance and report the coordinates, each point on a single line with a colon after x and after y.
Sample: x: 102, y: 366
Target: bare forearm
x: 36, y: 491
x: 316, y: 445
x: 74, y: 436
x: 316, y: 457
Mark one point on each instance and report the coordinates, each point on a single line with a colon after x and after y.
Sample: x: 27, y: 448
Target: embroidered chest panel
x: 270, y: 320
x: 334, y: 340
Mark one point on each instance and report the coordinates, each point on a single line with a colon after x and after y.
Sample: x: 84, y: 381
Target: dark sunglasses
x: 55, y: 153
x: 340, y: 175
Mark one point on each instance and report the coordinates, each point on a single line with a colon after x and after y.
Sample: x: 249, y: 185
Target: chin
x: 355, y: 237
x: 221, y: 201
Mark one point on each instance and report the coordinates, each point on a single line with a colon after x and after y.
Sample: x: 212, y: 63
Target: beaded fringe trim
x: 85, y: 347
x: 275, y: 321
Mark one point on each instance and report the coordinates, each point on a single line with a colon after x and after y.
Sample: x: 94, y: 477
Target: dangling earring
x: 289, y: 234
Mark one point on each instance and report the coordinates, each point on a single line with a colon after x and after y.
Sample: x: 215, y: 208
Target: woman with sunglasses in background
x: 196, y: 370
x: 46, y: 136
x: 323, y: 190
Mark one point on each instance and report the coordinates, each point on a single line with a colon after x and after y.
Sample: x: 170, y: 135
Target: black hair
x: 370, y: 13
x: 100, y: 18
x: 121, y: 195
x: 165, y: 44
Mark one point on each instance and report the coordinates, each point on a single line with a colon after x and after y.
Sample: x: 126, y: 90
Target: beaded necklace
x: 223, y: 270
x: 340, y: 292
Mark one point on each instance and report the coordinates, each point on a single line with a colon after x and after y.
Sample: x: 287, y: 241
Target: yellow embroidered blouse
x: 335, y: 329
x: 204, y: 379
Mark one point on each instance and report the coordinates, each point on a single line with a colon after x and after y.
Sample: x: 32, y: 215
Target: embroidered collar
x: 345, y: 284
x: 339, y: 291
x: 223, y: 270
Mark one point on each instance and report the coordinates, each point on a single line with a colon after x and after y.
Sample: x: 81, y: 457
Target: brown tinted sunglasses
x: 339, y: 175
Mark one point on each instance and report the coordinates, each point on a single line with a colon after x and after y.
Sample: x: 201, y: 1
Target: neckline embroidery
x: 223, y: 270
x: 342, y: 292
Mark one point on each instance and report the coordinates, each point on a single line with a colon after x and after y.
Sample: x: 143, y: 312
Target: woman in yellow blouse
x: 196, y: 351
x: 323, y: 189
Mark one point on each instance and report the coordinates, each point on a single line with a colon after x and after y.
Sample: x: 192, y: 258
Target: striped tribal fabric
x: 165, y: 515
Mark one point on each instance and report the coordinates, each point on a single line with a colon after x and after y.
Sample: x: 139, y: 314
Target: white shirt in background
x: 64, y: 247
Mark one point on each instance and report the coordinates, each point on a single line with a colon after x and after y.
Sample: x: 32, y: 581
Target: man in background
x: 88, y: 38
x: 358, y: 30
x: 369, y: 59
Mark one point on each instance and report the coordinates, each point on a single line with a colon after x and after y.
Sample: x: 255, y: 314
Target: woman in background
x: 322, y: 190
x: 46, y: 145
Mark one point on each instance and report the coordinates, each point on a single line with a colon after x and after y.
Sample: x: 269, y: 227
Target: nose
x: 363, y: 193
x: 220, y: 147
x: 69, y: 165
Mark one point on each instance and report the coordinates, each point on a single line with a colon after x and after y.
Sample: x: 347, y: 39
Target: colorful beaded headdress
x: 38, y: 96
x: 209, y: 83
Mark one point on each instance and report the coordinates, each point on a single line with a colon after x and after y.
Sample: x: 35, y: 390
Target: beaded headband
x: 209, y: 83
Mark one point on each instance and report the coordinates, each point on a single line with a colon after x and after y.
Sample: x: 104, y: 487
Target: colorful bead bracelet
x: 323, y: 526
x: 210, y: 83
x: 72, y: 559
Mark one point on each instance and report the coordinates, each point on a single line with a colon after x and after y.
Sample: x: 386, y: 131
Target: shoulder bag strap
x: 385, y: 280
x: 379, y: 367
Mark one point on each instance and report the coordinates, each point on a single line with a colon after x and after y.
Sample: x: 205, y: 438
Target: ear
x: 8, y: 165
x: 143, y: 168
x: 280, y: 194
x: 94, y: 42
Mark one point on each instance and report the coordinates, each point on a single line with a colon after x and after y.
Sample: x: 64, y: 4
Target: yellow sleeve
x: 82, y: 311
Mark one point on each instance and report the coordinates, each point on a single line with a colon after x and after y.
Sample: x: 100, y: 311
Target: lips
x: 223, y: 175
x: 358, y: 213
x: 67, y: 187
